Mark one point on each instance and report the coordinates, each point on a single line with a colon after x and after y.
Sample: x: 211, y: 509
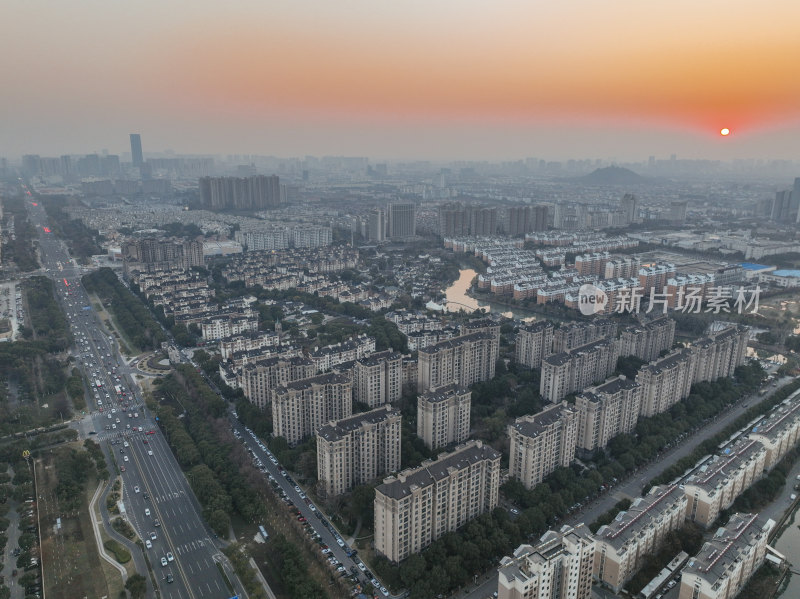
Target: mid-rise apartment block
x: 624, y: 268
x: 258, y: 379
x: 625, y: 543
x: 780, y: 431
x: 666, y: 381
x: 378, y: 378
x: 443, y: 415
x: 716, y: 484
x: 419, y: 505
x: 464, y: 360
x: 534, y: 343
x: 728, y: 560
x: 301, y: 408
x: 571, y: 371
x: 575, y: 334
x: 356, y: 450
x: 559, y: 566
x: 646, y: 342
x: 542, y: 442
x: 720, y: 353
x: 606, y: 411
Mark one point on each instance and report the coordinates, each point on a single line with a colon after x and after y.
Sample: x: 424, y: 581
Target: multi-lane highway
x: 157, y: 499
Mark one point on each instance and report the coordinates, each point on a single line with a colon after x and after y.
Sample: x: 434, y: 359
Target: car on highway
x: 136, y: 489
x: 153, y: 536
x: 170, y: 579
x: 163, y: 561
x: 147, y: 511
x: 170, y: 557
x: 125, y: 458
x: 149, y: 452
x: 156, y: 523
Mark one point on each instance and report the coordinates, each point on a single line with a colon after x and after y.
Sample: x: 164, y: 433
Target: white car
x: 136, y: 489
x: 148, y: 544
x: 153, y: 536
x: 149, y: 452
x: 125, y: 444
x: 114, y: 426
x: 340, y: 543
x: 384, y: 591
x: 170, y: 557
x: 125, y: 458
x: 362, y: 567
x: 147, y: 511
x: 109, y: 416
x: 163, y: 561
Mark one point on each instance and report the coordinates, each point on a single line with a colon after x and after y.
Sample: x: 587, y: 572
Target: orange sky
x: 314, y: 77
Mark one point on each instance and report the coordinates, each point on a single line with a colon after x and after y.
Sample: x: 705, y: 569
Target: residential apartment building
x: 571, y: 371
x: 622, y: 268
x: 258, y: 379
x: 715, y: 485
x: 464, y: 360
x: 646, y: 342
x: 624, y: 544
x: 575, y: 334
x: 378, y: 378
x: 247, y: 343
x: 419, y: 505
x: 302, y: 407
x: 356, y: 450
x: 728, y: 560
x: 443, y: 415
x: 666, y: 381
x: 542, y: 442
x: 227, y: 326
x: 559, y: 566
x: 534, y: 343
x: 328, y: 356
x: 592, y: 264
x: 780, y: 431
x: 606, y: 411
x: 720, y: 353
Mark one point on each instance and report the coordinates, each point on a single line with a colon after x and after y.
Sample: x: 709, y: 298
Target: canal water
x: 789, y: 545
x: 457, y: 299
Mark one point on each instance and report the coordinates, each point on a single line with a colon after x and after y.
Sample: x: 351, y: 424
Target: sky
x: 433, y: 79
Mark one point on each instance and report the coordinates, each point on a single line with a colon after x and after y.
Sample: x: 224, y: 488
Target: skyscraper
x: 629, y: 205
x: 136, y: 150
x: 402, y: 221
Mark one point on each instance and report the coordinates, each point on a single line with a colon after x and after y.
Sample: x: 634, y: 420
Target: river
x: 457, y: 299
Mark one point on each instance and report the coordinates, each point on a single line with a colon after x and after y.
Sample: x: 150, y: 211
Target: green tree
x: 136, y: 585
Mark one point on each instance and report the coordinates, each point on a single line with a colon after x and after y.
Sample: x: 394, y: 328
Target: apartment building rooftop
x: 711, y: 474
x: 726, y: 546
x: 531, y: 425
x: 330, y: 378
x: 444, y: 393
x: 780, y: 417
x: 431, y: 471
x: 455, y: 342
x: 643, y: 510
x: 379, y: 357
x: 339, y: 429
x: 615, y: 385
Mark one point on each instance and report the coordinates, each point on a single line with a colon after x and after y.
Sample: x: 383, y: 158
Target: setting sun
x: 725, y: 131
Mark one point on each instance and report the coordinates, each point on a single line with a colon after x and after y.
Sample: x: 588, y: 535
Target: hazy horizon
x: 450, y: 81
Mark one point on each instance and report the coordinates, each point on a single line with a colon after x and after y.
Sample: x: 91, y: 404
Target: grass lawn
x: 72, y: 567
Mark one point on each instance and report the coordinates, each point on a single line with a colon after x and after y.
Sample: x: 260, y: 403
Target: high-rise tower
x: 136, y: 150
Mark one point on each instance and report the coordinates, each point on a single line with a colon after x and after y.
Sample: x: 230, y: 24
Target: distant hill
x: 613, y: 175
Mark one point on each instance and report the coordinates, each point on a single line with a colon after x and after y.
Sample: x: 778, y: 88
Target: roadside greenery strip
x: 132, y: 316
x: 710, y: 445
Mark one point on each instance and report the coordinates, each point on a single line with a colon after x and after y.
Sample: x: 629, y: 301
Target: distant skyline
x: 448, y: 80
